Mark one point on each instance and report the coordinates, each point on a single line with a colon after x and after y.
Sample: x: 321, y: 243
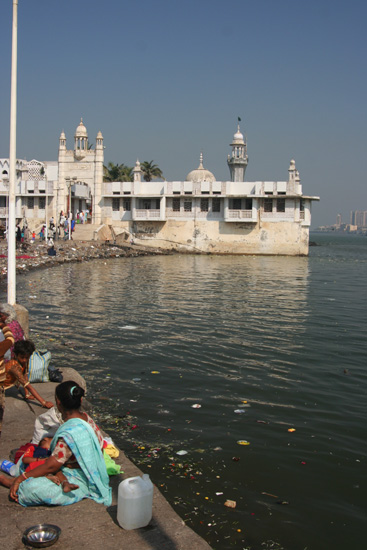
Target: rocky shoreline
x: 34, y: 256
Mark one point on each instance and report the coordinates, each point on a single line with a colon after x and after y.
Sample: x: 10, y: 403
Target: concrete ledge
x: 85, y: 525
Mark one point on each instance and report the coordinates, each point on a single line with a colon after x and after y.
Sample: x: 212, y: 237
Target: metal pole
x: 12, y: 161
x: 70, y: 211
x: 46, y: 205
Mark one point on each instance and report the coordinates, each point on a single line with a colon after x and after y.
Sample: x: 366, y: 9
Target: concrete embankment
x: 85, y: 525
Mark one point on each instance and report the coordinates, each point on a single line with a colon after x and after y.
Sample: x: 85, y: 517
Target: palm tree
x: 126, y: 173
x: 151, y: 170
x: 111, y: 172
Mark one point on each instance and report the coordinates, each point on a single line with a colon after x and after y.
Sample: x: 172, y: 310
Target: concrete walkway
x: 85, y: 525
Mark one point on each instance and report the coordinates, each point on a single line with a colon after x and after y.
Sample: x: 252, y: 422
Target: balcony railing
x: 147, y: 214
x: 240, y: 215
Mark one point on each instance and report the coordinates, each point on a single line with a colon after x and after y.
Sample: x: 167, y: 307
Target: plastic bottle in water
x: 135, y: 502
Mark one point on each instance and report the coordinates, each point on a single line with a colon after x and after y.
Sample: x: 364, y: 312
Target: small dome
x: 137, y: 166
x: 62, y: 135
x: 292, y: 165
x: 81, y: 130
x: 99, y: 135
x: 200, y: 174
x: 238, y: 137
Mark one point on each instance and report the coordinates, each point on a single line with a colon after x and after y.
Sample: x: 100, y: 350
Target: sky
x: 166, y: 79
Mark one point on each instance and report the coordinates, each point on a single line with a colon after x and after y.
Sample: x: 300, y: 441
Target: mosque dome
x: 62, y: 135
x: 99, y: 135
x: 200, y: 174
x: 238, y: 137
x: 81, y: 130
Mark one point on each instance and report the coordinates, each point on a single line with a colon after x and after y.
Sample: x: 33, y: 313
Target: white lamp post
x: 46, y: 205
x: 12, y: 161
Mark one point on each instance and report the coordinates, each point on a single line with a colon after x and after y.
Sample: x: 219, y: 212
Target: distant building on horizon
x: 358, y: 218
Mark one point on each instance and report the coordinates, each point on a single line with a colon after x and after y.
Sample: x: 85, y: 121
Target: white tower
x: 80, y: 141
x: 137, y: 171
x: 238, y: 161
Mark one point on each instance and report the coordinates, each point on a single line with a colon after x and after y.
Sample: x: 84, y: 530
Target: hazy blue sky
x: 164, y: 80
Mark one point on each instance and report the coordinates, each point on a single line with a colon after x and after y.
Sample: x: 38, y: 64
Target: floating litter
x: 196, y: 406
x: 136, y: 379
x: 230, y: 503
x: 291, y: 429
x: 129, y: 327
x: 181, y: 453
x: 243, y: 442
x: 239, y: 411
x: 155, y: 371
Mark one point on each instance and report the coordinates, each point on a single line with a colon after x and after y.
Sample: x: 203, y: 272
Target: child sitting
x: 16, y: 371
x: 34, y: 456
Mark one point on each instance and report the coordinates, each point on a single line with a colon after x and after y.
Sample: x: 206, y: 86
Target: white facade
x: 34, y: 188
x: 81, y: 174
x: 199, y: 214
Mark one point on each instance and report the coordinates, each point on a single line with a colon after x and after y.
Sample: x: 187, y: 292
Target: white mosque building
x: 199, y: 214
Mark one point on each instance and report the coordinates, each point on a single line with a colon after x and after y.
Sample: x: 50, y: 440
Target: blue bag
x: 38, y: 366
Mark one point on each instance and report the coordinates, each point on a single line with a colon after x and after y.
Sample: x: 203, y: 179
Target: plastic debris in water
x: 243, y: 442
x: 291, y: 429
x: 155, y: 371
x: 230, y: 503
x: 239, y: 411
x: 235, y: 458
x: 129, y: 327
x: 196, y: 406
x: 181, y: 453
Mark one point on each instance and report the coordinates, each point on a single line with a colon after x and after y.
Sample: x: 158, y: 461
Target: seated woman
x: 16, y: 371
x: 76, y: 450
x: 9, y: 317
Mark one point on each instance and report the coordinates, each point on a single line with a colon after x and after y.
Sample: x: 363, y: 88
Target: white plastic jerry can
x: 135, y: 502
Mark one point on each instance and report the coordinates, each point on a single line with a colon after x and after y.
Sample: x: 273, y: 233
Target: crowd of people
x: 62, y: 228
x: 64, y: 463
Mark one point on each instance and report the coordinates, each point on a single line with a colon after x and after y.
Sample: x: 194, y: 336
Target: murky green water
x: 282, y: 340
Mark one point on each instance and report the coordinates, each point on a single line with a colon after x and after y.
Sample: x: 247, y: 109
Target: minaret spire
x: 238, y: 161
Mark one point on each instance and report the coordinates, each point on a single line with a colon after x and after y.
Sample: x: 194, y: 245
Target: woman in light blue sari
x: 76, y: 468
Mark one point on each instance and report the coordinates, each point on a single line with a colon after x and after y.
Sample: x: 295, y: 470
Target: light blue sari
x: 91, y: 476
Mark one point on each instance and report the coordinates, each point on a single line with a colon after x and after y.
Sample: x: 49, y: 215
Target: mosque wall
x: 202, y: 236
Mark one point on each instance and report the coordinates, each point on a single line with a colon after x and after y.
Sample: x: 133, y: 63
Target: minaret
x: 238, y: 161
x: 137, y: 171
x: 80, y: 141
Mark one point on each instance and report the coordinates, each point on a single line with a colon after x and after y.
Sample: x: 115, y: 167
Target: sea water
x: 173, y: 347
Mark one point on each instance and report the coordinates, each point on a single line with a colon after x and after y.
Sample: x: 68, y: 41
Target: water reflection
x: 218, y: 331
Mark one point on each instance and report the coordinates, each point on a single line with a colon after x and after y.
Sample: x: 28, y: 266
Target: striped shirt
x: 4, y: 346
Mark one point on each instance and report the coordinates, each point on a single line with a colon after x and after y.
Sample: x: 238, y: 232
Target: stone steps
x: 85, y: 231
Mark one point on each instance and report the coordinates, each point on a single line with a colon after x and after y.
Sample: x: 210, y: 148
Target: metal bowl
x: 42, y: 535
